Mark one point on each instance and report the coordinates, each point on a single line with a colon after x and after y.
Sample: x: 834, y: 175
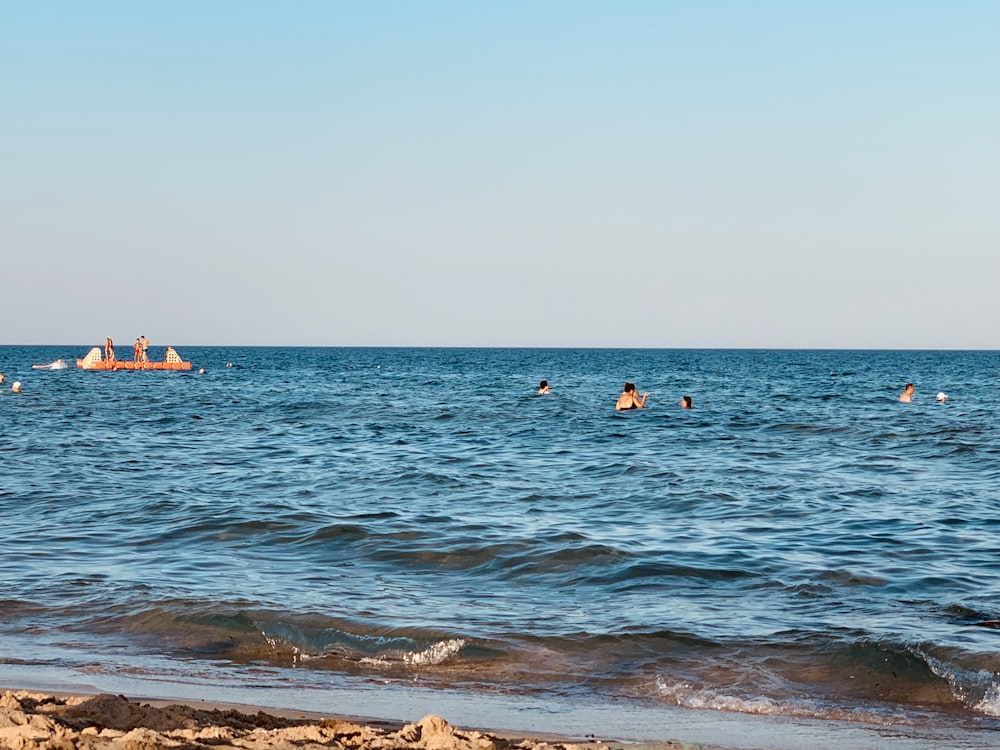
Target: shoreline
x: 56, y: 719
x: 41, y: 719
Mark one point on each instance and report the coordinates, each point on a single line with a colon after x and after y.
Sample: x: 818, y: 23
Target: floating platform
x: 95, y: 361
x: 120, y: 364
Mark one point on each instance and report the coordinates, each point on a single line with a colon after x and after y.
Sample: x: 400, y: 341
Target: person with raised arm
x: 629, y: 399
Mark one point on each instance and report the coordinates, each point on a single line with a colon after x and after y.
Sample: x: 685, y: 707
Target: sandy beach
x: 47, y: 721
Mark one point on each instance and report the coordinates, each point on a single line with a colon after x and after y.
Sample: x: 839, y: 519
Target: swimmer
x: 629, y: 399
x: 685, y: 402
x: 2, y: 378
x: 15, y: 387
x: 201, y: 370
x: 907, y: 395
x: 942, y: 396
x: 543, y: 388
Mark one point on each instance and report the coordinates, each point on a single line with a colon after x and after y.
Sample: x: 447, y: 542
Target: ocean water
x: 393, y: 527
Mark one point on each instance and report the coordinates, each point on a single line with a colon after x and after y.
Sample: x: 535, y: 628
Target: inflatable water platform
x: 95, y: 361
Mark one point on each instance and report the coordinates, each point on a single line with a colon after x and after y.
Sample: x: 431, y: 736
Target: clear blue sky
x: 664, y: 174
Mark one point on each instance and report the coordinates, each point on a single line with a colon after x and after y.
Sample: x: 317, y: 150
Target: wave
x: 978, y: 690
x: 841, y: 675
x: 717, y: 699
x: 855, y: 679
x: 436, y: 653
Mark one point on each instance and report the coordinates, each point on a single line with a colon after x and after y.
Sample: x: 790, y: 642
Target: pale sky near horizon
x: 651, y: 174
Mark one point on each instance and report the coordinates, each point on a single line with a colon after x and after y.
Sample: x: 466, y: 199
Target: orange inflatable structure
x: 95, y: 361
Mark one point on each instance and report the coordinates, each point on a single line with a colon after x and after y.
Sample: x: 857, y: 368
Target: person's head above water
x: 685, y: 402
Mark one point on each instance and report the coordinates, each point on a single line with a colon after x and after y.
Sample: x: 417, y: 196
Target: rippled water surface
x: 799, y: 544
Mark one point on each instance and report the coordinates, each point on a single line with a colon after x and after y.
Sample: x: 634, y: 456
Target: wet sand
x: 55, y: 721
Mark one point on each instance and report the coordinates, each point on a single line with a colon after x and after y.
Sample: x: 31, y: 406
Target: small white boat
x: 59, y: 364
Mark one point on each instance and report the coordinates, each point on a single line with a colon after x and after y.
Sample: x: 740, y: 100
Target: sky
x: 517, y: 174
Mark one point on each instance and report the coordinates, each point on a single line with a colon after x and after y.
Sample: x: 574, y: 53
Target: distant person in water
x: 2, y: 378
x: 685, y: 402
x: 630, y: 399
x: 543, y: 388
x: 109, y: 349
x: 907, y: 395
x: 16, y: 387
x: 942, y: 396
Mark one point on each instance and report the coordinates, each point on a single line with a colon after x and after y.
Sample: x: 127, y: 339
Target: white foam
x: 436, y: 653
x: 433, y: 654
x: 689, y: 696
x: 990, y: 704
x: 979, y: 690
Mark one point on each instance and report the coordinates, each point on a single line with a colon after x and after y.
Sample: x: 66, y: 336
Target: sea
x: 798, y: 560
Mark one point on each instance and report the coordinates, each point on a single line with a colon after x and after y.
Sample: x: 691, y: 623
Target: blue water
x: 798, y: 545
